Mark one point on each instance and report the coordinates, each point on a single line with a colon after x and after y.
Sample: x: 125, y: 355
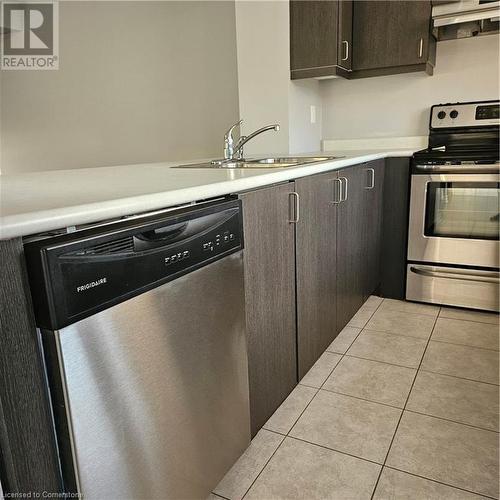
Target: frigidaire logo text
x: 92, y: 284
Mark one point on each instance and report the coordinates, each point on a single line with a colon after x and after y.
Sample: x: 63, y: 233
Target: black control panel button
x: 453, y: 113
x: 441, y: 115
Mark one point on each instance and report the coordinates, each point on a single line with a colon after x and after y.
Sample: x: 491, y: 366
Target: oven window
x: 462, y: 210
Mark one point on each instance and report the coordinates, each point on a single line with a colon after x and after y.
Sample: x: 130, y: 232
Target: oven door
x: 454, y: 219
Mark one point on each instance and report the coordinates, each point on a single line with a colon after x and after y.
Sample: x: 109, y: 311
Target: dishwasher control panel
x: 76, y: 275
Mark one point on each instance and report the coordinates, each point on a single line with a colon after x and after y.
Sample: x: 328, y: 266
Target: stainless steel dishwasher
x: 143, y: 331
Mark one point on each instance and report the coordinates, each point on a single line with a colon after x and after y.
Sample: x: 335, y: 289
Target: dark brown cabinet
x: 372, y: 225
x: 392, y: 37
x: 358, y: 236
x: 360, y: 38
x: 311, y: 258
x: 269, y: 259
x: 351, y: 242
x: 395, y: 228
x: 320, y: 38
x: 316, y: 250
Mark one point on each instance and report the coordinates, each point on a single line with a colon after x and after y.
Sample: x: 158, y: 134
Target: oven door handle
x: 466, y: 169
x: 485, y: 276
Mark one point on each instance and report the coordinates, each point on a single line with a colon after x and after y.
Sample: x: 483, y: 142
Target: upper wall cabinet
x: 320, y: 38
x: 392, y: 37
x: 360, y: 38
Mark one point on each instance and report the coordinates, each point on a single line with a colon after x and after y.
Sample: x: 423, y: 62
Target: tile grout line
x: 411, y: 313
x: 459, y: 378
x: 371, y: 315
x: 412, y: 367
x: 420, y: 369
x: 335, y: 450
x: 394, y: 333
x: 417, y: 370
x: 378, y: 361
x: 265, y: 465
x: 287, y: 435
x: 470, y: 320
x: 333, y: 369
x: 382, y: 466
x: 404, y: 407
x: 354, y: 340
x: 438, y: 482
x: 220, y: 496
x: 449, y: 420
x: 360, y: 329
x: 375, y: 463
x: 333, y: 391
x: 362, y: 399
x: 466, y: 345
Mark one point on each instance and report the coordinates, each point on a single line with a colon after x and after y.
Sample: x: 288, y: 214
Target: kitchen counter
x: 41, y: 201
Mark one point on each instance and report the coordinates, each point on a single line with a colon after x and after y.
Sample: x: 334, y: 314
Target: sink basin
x: 291, y: 161
x: 279, y: 162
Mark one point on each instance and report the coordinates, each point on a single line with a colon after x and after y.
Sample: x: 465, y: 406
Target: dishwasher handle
x: 163, y: 234
x: 170, y: 234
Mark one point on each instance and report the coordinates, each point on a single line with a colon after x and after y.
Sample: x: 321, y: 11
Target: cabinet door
x: 316, y: 240
x: 388, y: 33
x: 269, y: 259
x: 345, y: 35
x: 313, y: 35
x: 372, y: 224
x: 351, y: 244
x: 395, y: 228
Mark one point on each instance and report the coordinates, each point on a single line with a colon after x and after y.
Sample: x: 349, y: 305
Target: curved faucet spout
x: 238, y: 149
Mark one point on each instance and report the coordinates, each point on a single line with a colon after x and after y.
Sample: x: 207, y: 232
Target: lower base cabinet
x: 372, y: 225
x: 312, y: 252
x: 350, y: 244
x: 316, y: 249
x: 269, y: 258
x: 395, y: 228
x: 358, y: 237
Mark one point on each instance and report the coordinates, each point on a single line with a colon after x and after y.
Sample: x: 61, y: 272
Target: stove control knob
x: 441, y: 115
x: 454, y: 113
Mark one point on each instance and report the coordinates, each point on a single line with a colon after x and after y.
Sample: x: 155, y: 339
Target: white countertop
x: 41, y: 201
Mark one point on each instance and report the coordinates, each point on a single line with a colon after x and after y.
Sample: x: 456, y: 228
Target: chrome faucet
x: 235, y: 151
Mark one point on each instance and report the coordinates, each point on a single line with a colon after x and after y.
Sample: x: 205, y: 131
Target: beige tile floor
x: 402, y: 405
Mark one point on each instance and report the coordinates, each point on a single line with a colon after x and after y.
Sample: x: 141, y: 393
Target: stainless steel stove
x: 453, y: 237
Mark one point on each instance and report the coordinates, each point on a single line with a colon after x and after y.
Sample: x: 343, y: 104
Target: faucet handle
x: 228, y: 136
x: 229, y: 141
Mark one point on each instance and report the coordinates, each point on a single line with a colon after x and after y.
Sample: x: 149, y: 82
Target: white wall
x: 398, y: 105
x: 266, y: 94
x: 304, y: 136
x: 263, y: 72
x: 138, y: 81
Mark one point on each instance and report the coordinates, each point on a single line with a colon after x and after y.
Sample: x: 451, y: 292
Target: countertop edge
x: 25, y: 224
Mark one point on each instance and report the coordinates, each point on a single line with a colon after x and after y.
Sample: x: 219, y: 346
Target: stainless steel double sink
x: 279, y: 162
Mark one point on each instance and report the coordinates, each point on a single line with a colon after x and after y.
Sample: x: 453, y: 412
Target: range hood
x: 465, y: 18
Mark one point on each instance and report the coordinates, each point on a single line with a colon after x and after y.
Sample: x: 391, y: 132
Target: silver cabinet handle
x: 487, y: 277
x: 421, y: 48
x: 344, y: 197
x: 345, y: 44
x: 337, y: 199
x: 296, y: 208
x: 371, y: 171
